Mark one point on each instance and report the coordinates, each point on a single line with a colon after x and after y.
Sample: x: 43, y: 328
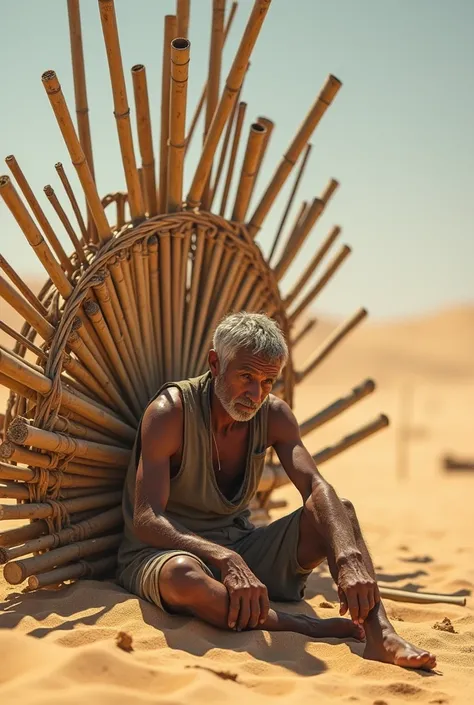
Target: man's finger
x: 353, y: 604
x: 244, y: 614
x: 264, y: 607
x: 343, y: 600
x: 254, y: 612
x: 363, y: 606
x: 234, y: 609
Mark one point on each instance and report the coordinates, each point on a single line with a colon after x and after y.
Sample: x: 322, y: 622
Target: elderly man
x: 189, y: 546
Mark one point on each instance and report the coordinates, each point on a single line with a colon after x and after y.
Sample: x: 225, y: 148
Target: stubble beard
x: 229, y: 405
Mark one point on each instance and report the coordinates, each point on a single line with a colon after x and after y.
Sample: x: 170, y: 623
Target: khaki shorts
x: 269, y: 551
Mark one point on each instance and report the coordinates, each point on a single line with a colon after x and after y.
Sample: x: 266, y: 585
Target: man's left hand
x: 358, y: 591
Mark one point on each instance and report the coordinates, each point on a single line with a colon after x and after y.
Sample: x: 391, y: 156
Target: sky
x: 398, y: 137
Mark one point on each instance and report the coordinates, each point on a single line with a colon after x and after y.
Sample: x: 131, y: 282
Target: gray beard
x: 222, y: 393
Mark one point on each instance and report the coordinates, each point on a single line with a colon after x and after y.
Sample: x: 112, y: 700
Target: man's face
x: 245, y: 384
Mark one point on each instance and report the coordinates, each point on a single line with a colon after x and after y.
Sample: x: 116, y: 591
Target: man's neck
x: 221, y: 421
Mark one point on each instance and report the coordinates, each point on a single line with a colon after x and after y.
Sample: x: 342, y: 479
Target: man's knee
x: 180, y: 580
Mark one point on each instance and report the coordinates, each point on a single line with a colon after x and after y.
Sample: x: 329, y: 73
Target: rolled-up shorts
x: 269, y: 551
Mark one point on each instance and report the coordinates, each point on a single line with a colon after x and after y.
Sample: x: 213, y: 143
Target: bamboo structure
x: 131, y: 306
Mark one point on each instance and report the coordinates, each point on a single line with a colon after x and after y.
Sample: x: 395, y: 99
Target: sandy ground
x: 417, y: 519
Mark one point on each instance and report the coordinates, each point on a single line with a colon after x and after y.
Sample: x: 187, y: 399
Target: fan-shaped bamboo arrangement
x: 131, y: 305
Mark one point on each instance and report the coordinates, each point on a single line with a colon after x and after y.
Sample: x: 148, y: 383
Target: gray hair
x: 255, y: 332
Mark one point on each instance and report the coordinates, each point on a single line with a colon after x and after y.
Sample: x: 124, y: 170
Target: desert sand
x: 61, y: 645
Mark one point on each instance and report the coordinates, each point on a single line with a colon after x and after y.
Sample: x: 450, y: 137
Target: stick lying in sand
x: 420, y: 597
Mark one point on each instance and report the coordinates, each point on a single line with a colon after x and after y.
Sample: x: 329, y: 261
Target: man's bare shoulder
x: 165, y: 411
x: 282, y: 423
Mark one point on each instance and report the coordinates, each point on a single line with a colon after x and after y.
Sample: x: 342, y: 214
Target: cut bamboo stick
x: 80, y: 94
x: 75, y: 571
x: 269, y: 126
x: 76, y: 428
x: 23, y: 341
x: 76, y: 152
x: 72, y: 200
x: 330, y: 343
x: 331, y: 269
x: 29, y: 476
x: 290, y: 158
x: 420, y: 597
x: 224, y: 150
x: 308, y: 326
x: 17, y: 536
x: 193, y: 292
x: 145, y: 139
x: 39, y: 214
x: 170, y: 34
x: 310, y: 269
x: 43, y: 510
x: 155, y: 308
x: 239, y: 121
x: 224, y: 109
x: 165, y: 297
x: 34, y: 237
x: 138, y: 261
x: 179, y: 61
x: 337, y: 407
x: 22, y: 287
x: 182, y: 18
x: 53, y: 199
x: 20, y: 389
x: 249, y: 171
x: 121, y: 109
x: 26, y: 310
x: 291, y: 199
x: 352, y: 439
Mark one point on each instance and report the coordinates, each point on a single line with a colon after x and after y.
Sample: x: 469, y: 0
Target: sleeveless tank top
x: 195, y: 500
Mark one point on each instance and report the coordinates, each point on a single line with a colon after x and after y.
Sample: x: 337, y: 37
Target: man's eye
x: 246, y: 375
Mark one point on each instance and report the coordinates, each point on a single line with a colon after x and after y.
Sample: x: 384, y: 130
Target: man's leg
x: 185, y: 588
x: 383, y: 643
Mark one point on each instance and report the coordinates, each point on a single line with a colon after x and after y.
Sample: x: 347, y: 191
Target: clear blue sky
x: 399, y: 136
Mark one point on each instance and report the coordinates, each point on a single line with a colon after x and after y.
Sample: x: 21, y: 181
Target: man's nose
x: 253, y: 392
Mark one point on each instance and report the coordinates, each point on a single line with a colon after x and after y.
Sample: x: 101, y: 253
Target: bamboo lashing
x: 249, y: 170
x: 233, y: 83
x: 78, y: 158
x: 121, y: 109
x: 31, y: 477
x: 72, y: 200
x: 43, y: 510
x: 331, y: 269
x: 169, y: 35
x: 182, y: 18
x: 145, y: 139
x: 179, y: 62
x: 316, y: 112
x: 239, y: 121
x: 22, y: 287
x: 337, y: 407
x: 44, y: 223
x: 53, y: 199
x: 311, y: 268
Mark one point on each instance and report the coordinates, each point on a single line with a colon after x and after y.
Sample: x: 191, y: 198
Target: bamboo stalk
x: 337, y: 407
x: 39, y: 214
x: 323, y: 101
x: 24, y: 341
x: 155, y: 307
x: 34, y: 237
x: 145, y: 139
x: 202, y: 99
x: 72, y: 200
x: 290, y: 201
x: 75, y: 428
x: 331, y: 269
x: 75, y: 571
x: 310, y: 269
x: 53, y: 199
x: 121, y: 109
x: 361, y: 434
x: 308, y: 326
x: 224, y: 150
x: 29, y: 476
x: 19, y: 389
x: 239, y: 121
x: 193, y: 293
x: 420, y: 597
x: 26, y: 310
x: 224, y: 109
x: 170, y: 34
x: 179, y: 61
x: 69, y: 400
x: 22, y: 287
x: 17, y: 571
x: 248, y: 173
x: 269, y: 126
x: 78, y: 158
x: 165, y: 296
x: 143, y: 308
x: 43, y: 510
x: 14, y: 537
x: 182, y: 18
x: 80, y: 95
x: 330, y: 343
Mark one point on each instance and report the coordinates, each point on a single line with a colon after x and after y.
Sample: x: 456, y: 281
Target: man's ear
x: 213, y: 360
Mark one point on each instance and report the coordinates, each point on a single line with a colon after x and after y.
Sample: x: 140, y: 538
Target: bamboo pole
x: 78, y: 158
x: 224, y: 109
x: 170, y: 34
x: 76, y: 428
x: 17, y: 571
x: 19, y: 389
x: 420, y: 597
x: 308, y: 326
x: 352, y: 439
x: 31, y: 477
x: 43, y: 510
x: 69, y: 400
x: 138, y: 262
x: 202, y: 99
x: 53, y: 199
x: 316, y: 112
x: 269, y: 126
x: 224, y: 150
x: 156, y: 307
x: 80, y: 95
x: 165, y: 296
x: 17, y: 536
x: 121, y: 109
x: 179, y: 61
x: 331, y: 269
x: 248, y: 173
x: 182, y: 18
x: 26, y: 310
x: 23, y: 341
x: 22, y: 287
x: 310, y: 269
x: 34, y: 237
x: 193, y: 293
x: 337, y: 407
x: 290, y: 201
x: 72, y: 200
x: 39, y: 214
x: 75, y: 571
x: 239, y: 121
x: 145, y: 138
x: 330, y: 343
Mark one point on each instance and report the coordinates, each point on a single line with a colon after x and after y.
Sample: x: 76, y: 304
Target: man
x: 189, y: 546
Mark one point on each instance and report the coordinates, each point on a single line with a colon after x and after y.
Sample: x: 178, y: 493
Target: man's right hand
x: 249, y: 605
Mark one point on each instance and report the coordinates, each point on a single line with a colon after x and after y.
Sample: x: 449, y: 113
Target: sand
x: 61, y: 645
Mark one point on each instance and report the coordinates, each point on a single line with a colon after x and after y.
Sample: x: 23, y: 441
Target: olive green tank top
x: 195, y: 500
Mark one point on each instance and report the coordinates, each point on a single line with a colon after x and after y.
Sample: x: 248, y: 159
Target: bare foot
x: 393, y: 649
x: 336, y: 628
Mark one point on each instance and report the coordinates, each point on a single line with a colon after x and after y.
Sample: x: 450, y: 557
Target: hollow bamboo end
x: 10, y: 159
x: 13, y: 573
x: 50, y: 80
x: 258, y: 127
x: 138, y: 68
x: 5, y: 181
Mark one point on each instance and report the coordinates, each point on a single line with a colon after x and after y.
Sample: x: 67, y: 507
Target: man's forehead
x: 244, y: 359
